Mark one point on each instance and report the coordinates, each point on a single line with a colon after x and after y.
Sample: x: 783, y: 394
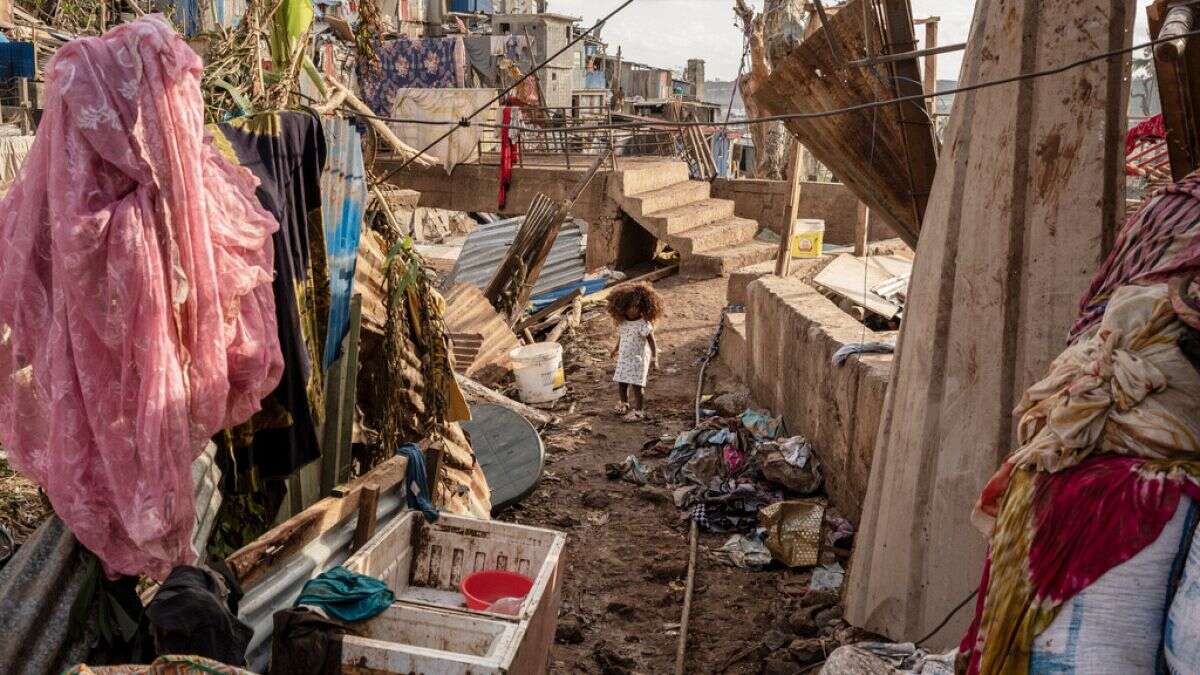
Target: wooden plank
x: 475, y: 390
x: 368, y: 514
x: 783, y: 259
x: 1017, y: 223
x: 252, y: 562
x: 545, y: 312
x: 649, y: 277
x: 1177, y: 82
x: 886, y: 163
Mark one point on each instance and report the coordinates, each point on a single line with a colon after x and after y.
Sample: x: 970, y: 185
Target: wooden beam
x: 1176, y: 83
x: 862, y: 229
x: 931, y: 45
x: 545, y: 312
x: 783, y: 259
x: 477, y: 391
x: 649, y: 277
x: 368, y: 515
x: 255, y: 560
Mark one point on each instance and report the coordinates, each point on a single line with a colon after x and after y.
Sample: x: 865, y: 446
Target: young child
x: 635, y: 309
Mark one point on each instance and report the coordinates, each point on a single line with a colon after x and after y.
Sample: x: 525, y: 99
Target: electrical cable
x: 666, y: 124
x: 949, y: 616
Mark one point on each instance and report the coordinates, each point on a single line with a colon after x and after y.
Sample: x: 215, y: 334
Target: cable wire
x: 666, y: 124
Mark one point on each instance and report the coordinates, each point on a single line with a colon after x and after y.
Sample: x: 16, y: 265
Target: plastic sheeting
x: 343, y: 201
x: 136, y: 311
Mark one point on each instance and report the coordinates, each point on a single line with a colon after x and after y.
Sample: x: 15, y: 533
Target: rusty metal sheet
x: 469, y: 313
x: 886, y: 156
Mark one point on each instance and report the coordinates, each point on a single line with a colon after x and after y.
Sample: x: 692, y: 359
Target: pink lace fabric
x: 136, y: 312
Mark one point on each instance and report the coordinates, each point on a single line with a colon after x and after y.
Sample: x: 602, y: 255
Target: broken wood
x: 254, y: 561
x: 547, y: 311
x: 1179, y: 20
x: 783, y: 260
x: 862, y: 227
x: 558, y: 330
x: 1177, y: 65
x: 656, y: 275
x: 681, y: 651
x: 476, y: 390
x: 368, y: 505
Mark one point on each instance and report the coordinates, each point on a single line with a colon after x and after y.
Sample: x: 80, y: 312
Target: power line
x: 666, y: 124
x: 466, y: 121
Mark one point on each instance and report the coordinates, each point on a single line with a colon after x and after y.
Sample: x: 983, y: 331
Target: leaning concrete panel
x: 1024, y: 207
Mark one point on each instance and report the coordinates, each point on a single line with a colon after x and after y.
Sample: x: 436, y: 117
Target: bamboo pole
x: 783, y: 261
x: 931, y: 39
x: 681, y: 650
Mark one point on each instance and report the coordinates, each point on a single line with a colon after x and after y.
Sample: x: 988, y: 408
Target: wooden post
x: 862, y: 228
x: 931, y: 41
x: 341, y: 384
x: 783, y: 261
x: 368, y: 513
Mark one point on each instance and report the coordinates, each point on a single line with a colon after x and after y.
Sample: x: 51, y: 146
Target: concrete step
x: 714, y: 235
x: 645, y: 177
x: 722, y: 261
x: 669, y: 197
x: 675, y: 220
x: 733, y: 344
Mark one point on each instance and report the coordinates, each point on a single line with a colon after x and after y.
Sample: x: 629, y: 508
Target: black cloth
x: 306, y: 642
x: 286, y: 151
x: 195, y: 613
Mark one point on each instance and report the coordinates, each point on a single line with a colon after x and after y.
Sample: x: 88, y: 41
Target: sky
x: 666, y: 33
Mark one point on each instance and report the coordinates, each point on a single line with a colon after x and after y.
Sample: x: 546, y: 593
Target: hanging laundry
x: 163, y: 665
x: 136, y: 312
x: 481, y: 58
x: 16, y: 60
x: 13, y: 151
x: 440, y: 105
x: 404, y: 63
x: 343, y: 202
x: 286, y: 151
x: 510, y: 150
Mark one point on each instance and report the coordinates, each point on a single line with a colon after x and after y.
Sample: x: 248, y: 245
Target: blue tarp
x: 16, y: 60
x: 589, y: 286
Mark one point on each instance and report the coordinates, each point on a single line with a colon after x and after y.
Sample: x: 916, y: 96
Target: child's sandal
x: 621, y: 408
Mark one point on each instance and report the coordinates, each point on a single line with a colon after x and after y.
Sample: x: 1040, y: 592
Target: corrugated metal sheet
x: 282, y: 586
x: 40, y: 585
x: 469, y: 314
x: 343, y: 201
x: 486, y: 247
x: 369, y: 281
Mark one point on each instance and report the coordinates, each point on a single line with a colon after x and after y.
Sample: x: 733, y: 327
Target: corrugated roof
x: 468, y: 313
x: 486, y: 247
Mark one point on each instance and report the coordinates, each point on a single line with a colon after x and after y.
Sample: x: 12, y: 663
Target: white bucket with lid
x: 539, y: 371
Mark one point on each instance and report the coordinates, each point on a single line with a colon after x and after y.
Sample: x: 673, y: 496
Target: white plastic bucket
x: 539, y: 371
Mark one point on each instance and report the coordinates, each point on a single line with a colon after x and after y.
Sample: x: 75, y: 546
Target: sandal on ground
x: 634, y: 416
x: 621, y: 408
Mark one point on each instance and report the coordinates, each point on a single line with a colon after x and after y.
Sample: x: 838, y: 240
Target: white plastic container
x: 429, y: 630
x: 539, y: 371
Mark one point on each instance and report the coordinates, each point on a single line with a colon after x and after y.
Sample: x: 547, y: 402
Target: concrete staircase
x: 710, y: 239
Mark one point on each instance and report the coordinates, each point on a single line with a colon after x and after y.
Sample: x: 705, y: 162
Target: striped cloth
x: 1158, y: 243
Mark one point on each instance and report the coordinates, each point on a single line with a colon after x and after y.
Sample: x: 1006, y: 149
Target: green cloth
x: 347, y: 596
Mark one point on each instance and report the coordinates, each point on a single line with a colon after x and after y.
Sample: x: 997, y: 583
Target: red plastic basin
x: 487, y: 586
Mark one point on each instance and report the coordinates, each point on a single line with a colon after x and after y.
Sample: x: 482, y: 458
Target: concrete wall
x: 766, y: 202
x: 792, y: 332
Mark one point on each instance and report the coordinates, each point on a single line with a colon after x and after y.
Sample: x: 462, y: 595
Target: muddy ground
x: 627, y: 546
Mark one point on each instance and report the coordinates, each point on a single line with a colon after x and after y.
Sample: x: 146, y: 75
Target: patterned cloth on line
x: 440, y: 105
x: 135, y: 297
x: 408, y: 63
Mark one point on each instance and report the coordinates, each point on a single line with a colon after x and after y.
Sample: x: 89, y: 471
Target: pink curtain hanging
x: 136, y: 314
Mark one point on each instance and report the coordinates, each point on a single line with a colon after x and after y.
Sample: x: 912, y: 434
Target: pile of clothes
x: 740, y: 475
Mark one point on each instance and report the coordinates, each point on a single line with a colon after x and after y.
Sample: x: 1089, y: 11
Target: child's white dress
x: 633, y: 352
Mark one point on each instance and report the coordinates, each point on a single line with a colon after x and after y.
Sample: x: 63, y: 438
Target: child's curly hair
x: 642, y: 296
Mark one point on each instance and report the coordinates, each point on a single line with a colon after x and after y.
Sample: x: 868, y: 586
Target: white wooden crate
x: 424, y: 564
